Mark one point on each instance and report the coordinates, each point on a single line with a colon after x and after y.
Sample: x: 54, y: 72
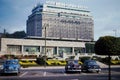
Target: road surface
x: 59, y: 74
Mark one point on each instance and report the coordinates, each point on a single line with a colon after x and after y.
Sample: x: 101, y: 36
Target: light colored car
x: 10, y: 66
x: 73, y: 66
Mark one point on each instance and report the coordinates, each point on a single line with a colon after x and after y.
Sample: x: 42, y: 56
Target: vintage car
x: 90, y: 66
x: 73, y: 66
x: 10, y: 66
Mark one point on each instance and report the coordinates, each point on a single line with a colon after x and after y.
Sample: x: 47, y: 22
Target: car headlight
x: 79, y: 66
x: 89, y: 66
x: 1, y: 67
x: 68, y: 66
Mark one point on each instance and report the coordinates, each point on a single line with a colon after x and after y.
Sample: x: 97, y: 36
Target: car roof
x: 73, y: 60
x: 90, y: 61
x: 12, y: 60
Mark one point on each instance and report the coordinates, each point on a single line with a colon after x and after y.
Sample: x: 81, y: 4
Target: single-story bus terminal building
x: 36, y: 46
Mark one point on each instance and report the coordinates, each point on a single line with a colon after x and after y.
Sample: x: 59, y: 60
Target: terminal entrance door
x: 49, y: 52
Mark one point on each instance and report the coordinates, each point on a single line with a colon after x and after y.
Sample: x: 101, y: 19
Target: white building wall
x: 33, y: 42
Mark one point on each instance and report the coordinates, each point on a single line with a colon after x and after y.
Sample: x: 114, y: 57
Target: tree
x: 17, y: 34
x: 108, y: 45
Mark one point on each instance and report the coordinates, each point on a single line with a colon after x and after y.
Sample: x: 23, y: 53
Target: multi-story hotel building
x: 60, y: 21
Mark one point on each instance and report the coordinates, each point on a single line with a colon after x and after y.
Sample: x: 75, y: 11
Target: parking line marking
x: 44, y: 74
x: 64, y: 73
x: 23, y: 74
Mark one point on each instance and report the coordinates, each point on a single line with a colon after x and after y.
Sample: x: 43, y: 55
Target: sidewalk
x: 102, y: 65
x: 62, y: 67
x: 47, y: 67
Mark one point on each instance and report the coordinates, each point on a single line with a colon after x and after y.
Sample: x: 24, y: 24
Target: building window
x: 67, y: 50
x: 14, y: 48
x: 31, y: 49
x: 77, y: 50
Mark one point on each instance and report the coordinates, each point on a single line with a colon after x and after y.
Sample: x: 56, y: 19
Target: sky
x: 106, y: 15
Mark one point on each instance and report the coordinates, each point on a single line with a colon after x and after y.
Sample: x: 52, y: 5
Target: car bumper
x: 74, y: 70
x: 10, y: 71
x: 94, y: 70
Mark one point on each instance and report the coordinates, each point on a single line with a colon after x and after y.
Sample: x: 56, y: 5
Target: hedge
x: 115, y: 62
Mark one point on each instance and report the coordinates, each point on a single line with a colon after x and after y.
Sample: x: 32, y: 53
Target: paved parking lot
x: 58, y: 73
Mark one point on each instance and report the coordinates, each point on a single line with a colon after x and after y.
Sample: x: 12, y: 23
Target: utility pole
x: 45, y: 26
x: 3, y: 33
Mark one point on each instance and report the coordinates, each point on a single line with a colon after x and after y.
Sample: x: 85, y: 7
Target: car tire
x: 66, y: 71
x: 1, y: 74
x: 79, y: 72
x: 82, y: 70
x: 98, y: 71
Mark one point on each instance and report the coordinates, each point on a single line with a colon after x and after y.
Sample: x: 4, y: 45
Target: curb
x: 47, y: 67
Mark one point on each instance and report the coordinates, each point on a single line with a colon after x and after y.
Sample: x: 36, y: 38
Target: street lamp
x: 45, y: 26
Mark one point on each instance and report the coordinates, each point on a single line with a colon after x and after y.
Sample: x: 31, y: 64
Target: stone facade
x: 61, y: 21
x: 37, y: 47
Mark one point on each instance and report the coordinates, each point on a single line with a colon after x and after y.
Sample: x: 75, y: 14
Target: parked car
x: 90, y: 66
x: 73, y: 66
x: 11, y: 66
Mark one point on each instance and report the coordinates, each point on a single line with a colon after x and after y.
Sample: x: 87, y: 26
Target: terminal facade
x: 36, y: 46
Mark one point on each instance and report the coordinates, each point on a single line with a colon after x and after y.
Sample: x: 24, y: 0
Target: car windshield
x: 73, y: 62
x: 92, y: 63
x: 11, y: 62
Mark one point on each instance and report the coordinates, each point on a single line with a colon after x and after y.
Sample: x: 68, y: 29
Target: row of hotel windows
x: 67, y: 15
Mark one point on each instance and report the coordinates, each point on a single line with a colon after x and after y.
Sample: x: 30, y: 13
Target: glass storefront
x: 14, y: 48
x: 79, y: 50
x: 31, y: 48
x: 67, y: 50
x: 50, y: 51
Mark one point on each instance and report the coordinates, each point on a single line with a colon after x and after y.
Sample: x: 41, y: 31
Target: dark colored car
x: 73, y: 66
x: 11, y: 66
x: 90, y: 66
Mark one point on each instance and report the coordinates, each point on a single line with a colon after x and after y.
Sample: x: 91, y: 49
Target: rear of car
x: 73, y: 66
x: 11, y: 66
x: 91, y: 66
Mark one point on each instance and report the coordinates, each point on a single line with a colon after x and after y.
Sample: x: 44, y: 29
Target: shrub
x: 105, y: 60
x: 27, y: 63
x: 80, y: 62
x: 51, y: 62
x: 41, y: 60
x: 8, y: 56
x: 61, y: 62
x: 115, y: 62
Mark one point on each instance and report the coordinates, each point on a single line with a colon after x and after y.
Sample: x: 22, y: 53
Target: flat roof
x: 59, y: 39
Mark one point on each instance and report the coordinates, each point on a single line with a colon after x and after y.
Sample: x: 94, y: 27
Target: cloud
x: 14, y: 14
x: 105, y: 25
